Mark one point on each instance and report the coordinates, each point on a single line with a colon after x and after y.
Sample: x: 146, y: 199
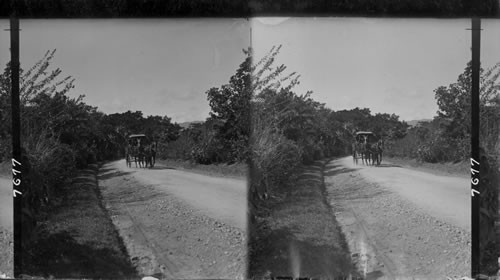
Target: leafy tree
x: 454, y: 104
x: 231, y: 111
x: 447, y: 137
x: 36, y: 85
x: 388, y: 126
x: 454, y: 101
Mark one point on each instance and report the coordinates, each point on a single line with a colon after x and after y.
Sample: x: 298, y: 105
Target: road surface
x: 401, y: 223
x: 6, y: 203
x: 6, y: 227
x: 444, y: 197
x: 221, y: 198
x: 178, y: 224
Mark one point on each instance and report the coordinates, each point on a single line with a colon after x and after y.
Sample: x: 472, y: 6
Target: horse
x: 376, y: 150
x: 380, y: 149
x: 148, y: 157
x: 366, y: 153
x: 140, y: 156
x: 355, y: 153
x: 358, y: 151
x: 133, y: 155
x: 153, y: 155
x: 128, y: 157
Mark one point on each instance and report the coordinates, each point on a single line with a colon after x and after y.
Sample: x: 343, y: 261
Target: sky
x: 386, y: 65
x: 158, y: 66
x: 165, y: 66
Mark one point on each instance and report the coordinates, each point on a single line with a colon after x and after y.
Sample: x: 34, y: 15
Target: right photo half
x: 361, y: 146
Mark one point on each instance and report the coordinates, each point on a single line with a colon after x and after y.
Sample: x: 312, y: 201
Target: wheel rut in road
x: 390, y: 236
x: 165, y: 235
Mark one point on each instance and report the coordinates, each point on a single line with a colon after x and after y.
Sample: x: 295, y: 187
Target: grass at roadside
x: 237, y: 170
x: 78, y: 239
x: 300, y: 235
x: 460, y: 169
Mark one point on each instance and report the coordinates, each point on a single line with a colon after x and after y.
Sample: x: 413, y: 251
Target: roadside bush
x: 60, y: 163
x: 209, y: 150
x: 239, y: 151
x: 309, y: 154
x: 50, y: 159
x: 274, y: 158
x: 84, y: 155
x: 178, y: 149
x: 338, y: 150
x: 406, y: 147
x: 46, y: 165
x: 439, y: 149
x: 429, y: 143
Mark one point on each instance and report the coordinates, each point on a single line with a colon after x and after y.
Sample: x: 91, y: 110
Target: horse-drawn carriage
x: 141, y: 150
x: 368, y: 148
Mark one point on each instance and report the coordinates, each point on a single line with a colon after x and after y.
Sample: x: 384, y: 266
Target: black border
x: 248, y: 8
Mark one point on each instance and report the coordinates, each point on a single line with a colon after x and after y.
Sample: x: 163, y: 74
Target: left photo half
x: 134, y: 148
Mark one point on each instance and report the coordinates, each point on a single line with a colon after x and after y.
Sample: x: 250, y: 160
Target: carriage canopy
x: 135, y: 139
x: 368, y: 135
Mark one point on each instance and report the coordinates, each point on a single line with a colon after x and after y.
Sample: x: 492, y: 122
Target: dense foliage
x: 257, y: 118
x: 289, y: 129
x: 447, y: 137
x: 60, y: 133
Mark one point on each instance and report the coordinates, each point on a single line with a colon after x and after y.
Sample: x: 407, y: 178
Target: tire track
x: 165, y: 236
x: 389, y: 236
x: 167, y: 267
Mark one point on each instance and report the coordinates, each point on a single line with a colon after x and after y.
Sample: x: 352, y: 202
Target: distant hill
x: 187, y: 124
x: 415, y: 122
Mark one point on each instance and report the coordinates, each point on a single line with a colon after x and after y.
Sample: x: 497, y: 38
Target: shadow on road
x: 374, y: 275
x: 389, y: 165
x: 285, y: 255
x: 335, y: 169
x: 76, y: 237
x: 150, y: 168
x: 298, y: 235
x: 162, y: 168
x: 106, y: 169
x: 108, y: 175
x: 61, y: 256
x: 86, y: 172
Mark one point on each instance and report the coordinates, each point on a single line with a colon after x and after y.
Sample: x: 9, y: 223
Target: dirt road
x: 6, y: 203
x: 401, y: 223
x: 178, y: 224
x: 6, y: 227
x: 221, y: 198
